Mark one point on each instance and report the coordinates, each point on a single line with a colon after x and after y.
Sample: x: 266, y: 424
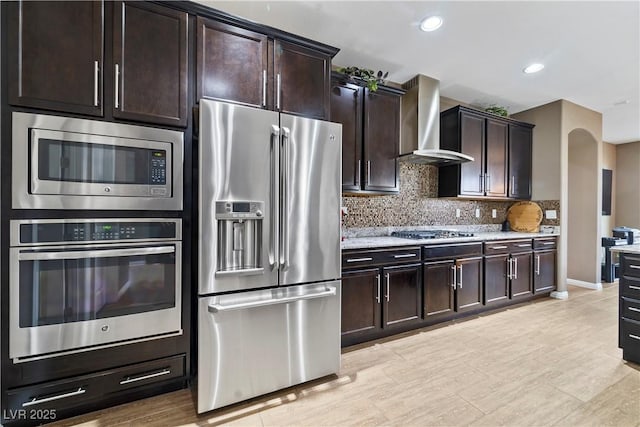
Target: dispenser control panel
x: 235, y: 209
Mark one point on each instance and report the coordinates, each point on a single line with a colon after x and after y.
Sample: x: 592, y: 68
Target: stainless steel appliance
x: 430, y: 234
x: 269, y: 208
x: 69, y: 163
x: 79, y: 284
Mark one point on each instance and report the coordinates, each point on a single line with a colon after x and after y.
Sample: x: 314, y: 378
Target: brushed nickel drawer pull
x: 548, y: 243
x: 499, y: 247
x: 635, y: 337
x: 130, y: 380
x: 636, y: 267
x: 359, y: 259
x: 36, y: 401
x: 634, y: 309
x: 637, y: 288
x: 405, y: 256
x: 524, y: 245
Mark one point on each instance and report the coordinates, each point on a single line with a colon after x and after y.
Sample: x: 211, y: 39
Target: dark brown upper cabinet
x: 248, y: 67
x: 370, y: 136
x: 58, y: 60
x: 150, y: 63
x: 56, y: 55
x: 501, y: 149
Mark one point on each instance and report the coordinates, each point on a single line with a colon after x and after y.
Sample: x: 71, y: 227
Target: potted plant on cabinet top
x: 369, y: 77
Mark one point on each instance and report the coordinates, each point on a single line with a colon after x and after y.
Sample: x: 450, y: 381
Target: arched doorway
x: 583, y: 209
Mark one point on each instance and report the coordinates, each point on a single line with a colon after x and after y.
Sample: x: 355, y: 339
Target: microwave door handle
x: 273, y: 199
x: 106, y: 253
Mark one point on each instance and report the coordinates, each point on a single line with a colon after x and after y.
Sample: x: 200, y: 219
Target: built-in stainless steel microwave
x: 68, y: 163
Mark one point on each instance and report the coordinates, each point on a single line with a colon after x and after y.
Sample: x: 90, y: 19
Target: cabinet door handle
x: 378, y: 293
x: 117, y: 86
x: 548, y: 243
x: 487, y: 183
x: 388, y: 277
x: 482, y: 183
x: 264, y: 88
x: 635, y: 267
x: 499, y: 247
x: 129, y: 380
x: 405, y: 256
x: 524, y: 245
x: 637, y: 288
x: 359, y: 259
x: 635, y: 337
x: 359, y: 171
x: 368, y: 171
x: 36, y: 401
x: 637, y: 310
x: 538, y: 265
x: 460, y: 276
x: 509, y: 268
x: 455, y: 276
x: 278, y: 81
x: 96, y: 72
x: 513, y: 184
x: 515, y: 269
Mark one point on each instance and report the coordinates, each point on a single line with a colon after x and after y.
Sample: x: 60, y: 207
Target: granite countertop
x: 629, y: 249
x: 388, y: 241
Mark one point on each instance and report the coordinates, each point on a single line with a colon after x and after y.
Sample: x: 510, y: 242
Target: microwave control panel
x: 63, y: 232
x: 158, y: 167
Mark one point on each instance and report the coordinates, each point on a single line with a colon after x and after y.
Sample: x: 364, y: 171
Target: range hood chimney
x: 420, y: 125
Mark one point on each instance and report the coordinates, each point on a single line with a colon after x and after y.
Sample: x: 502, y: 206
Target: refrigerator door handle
x: 216, y: 308
x: 273, y: 178
x: 284, y: 197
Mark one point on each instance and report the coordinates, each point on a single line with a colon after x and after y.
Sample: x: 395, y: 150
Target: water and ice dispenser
x: 239, y: 235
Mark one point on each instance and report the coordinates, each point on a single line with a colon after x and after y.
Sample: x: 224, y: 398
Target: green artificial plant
x: 371, y: 78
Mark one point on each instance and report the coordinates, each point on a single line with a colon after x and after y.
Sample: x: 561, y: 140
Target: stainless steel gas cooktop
x: 431, y: 234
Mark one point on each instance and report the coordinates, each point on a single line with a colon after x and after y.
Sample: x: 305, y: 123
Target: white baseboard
x: 583, y: 284
x: 560, y: 295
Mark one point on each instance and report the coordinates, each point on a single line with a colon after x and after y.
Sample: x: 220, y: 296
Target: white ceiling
x: 591, y: 49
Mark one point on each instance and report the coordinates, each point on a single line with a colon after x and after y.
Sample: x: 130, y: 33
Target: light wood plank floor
x: 547, y: 363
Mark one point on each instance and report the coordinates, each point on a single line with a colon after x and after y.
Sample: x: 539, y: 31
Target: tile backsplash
x: 417, y: 204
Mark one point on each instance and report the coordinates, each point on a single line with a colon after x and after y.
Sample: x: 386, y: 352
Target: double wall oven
x: 77, y: 284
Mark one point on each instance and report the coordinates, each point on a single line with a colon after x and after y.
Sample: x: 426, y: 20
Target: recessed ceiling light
x: 533, y: 68
x: 431, y: 23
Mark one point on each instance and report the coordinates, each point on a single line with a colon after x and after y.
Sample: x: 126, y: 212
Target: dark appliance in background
x: 82, y: 284
x: 69, y: 163
x: 610, y: 265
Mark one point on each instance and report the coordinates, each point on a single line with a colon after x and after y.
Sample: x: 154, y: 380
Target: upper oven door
x: 67, y: 298
x: 68, y: 163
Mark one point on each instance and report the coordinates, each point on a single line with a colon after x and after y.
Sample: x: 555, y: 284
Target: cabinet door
x: 521, y: 283
x: 303, y: 80
x: 361, y: 298
x: 402, y: 293
x: 544, y: 271
x: 496, y: 282
x: 469, y: 287
x: 472, y: 142
x: 520, y: 139
x: 438, y: 288
x: 346, y: 108
x: 232, y: 64
x: 56, y: 55
x: 150, y: 63
x: 382, y: 139
x: 496, y: 175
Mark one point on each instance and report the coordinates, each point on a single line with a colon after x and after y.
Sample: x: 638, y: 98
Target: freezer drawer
x: 252, y: 343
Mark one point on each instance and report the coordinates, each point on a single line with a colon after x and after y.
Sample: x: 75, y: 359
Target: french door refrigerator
x: 268, y: 252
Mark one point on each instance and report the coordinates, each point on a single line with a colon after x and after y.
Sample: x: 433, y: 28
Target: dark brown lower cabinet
x: 360, y: 303
x: 521, y: 283
x: 496, y: 280
x: 544, y: 271
x: 469, y: 286
x: 402, y: 295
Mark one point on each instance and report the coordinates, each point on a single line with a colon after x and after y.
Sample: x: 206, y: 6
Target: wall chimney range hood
x: 420, y: 125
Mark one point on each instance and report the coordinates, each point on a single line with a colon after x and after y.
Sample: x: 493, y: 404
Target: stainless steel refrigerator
x: 268, y: 252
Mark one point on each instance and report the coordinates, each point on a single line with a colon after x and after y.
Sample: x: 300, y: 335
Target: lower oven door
x: 73, y: 298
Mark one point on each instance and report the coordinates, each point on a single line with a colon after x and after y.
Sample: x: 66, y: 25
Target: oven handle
x: 106, y: 253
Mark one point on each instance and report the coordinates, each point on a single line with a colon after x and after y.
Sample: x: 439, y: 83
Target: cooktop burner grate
x: 431, y: 234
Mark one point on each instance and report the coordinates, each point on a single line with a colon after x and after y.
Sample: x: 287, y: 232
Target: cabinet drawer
x: 451, y: 251
x: 550, y: 243
x: 630, y: 309
x: 630, y: 287
x: 630, y: 340
x: 631, y: 265
x: 507, y: 246
x: 358, y: 259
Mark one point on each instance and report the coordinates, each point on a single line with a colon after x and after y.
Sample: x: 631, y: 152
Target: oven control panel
x: 88, y: 231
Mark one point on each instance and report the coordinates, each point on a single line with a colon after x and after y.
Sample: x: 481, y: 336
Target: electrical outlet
x: 457, y: 213
x: 344, y: 210
x: 551, y: 214
x: 477, y: 212
x: 494, y: 213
